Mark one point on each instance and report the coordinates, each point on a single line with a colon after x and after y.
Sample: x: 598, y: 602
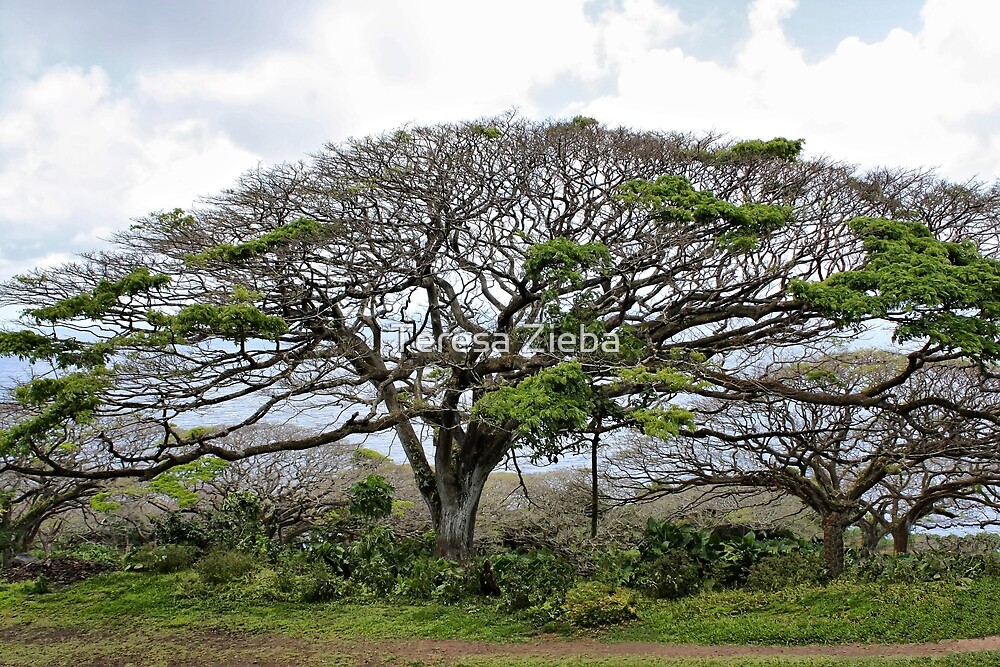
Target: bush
x: 239, y: 525
x: 534, y: 584
x: 375, y: 559
x: 778, y: 571
x: 372, y: 498
x: 167, y: 558
x: 222, y: 566
x: 617, y: 568
x: 40, y: 586
x: 190, y: 585
x: 593, y: 605
x: 926, y: 566
x: 674, y: 574
x: 292, y: 579
x: 437, y: 579
x: 176, y: 528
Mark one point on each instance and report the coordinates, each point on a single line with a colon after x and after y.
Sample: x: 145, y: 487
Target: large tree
x: 355, y: 283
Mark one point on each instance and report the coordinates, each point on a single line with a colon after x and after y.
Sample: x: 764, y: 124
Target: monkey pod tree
x: 445, y: 285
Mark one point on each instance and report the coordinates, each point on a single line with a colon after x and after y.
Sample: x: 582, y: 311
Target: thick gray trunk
x: 455, y: 521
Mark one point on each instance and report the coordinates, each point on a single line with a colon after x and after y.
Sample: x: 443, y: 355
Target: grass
x: 139, y: 618
x: 840, y: 613
x: 991, y: 659
x: 151, y: 601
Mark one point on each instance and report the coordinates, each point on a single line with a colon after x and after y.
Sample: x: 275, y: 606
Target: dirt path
x: 589, y: 648
x: 208, y: 648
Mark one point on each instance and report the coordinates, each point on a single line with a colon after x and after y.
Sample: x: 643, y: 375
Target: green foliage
x: 487, y: 131
x: 927, y: 566
x: 302, y: 228
x: 678, y: 559
x: 177, y: 528
x: 101, y: 299
x: 533, y: 584
x: 662, y: 379
x: 240, y: 525
x: 594, y: 605
x: 292, y: 579
x: 162, y: 559
x: 375, y: 560
x: 543, y: 407
x: 222, y: 566
x: 179, y: 483
x: 103, y: 504
x: 237, y: 322
x: 562, y: 261
x: 584, y: 121
x: 670, y: 574
x: 946, y: 292
x: 371, y: 498
x: 30, y: 346
x: 841, y: 612
x: 364, y: 455
x: 793, y: 568
x: 778, y: 148
x: 663, y: 536
x: 437, y: 579
x: 39, y: 586
x: 673, y: 200
x: 56, y: 403
x: 663, y: 422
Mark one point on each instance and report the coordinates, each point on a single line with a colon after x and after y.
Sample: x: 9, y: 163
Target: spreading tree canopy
x: 447, y: 284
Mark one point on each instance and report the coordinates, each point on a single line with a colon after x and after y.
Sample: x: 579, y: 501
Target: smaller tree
x: 832, y: 456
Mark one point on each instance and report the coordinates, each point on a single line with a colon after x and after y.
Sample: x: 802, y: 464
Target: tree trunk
x: 455, y: 518
x: 833, y: 543
x: 901, y: 537
x: 872, y: 533
x: 594, y: 488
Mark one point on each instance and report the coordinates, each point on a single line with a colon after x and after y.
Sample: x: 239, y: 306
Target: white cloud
x: 79, y: 161
x: 925, y: 99
x: 81, y: 153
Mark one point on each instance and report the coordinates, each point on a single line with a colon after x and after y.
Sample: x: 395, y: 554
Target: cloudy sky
x: 110, y: 109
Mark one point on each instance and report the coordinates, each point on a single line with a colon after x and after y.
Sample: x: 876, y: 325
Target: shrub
x: 371, y: 498
x: 190, y: 585
x: 163, y: 559
x: 40, y: 586
x: 926, y: 566
x: 437, y: 579
x: 534, y: 584
x: 593, y: 604
x: 176, y: 528
x: 617, y: 568
x: 239, y: 525
x: 778, y: 571
x: 310, y: 582
x: 673, y: 574
x: 375, y: 559
x: 222, y: 566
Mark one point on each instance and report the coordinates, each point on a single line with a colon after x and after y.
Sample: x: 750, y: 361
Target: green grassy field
x: 138, y: 619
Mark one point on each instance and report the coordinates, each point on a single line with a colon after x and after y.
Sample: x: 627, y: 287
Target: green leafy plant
x: 371, y: 498
x: 593, y: 604
x: 222, y: 566
x: 533, y: 584
x: 162, y: 559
